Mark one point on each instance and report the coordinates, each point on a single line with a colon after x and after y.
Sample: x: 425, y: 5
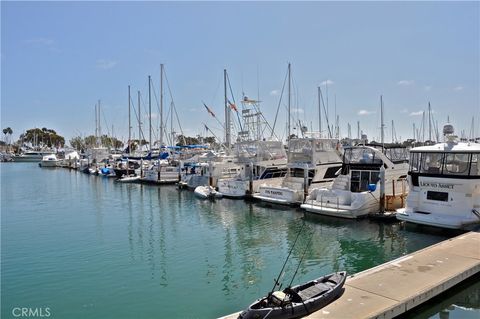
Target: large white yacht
x: 161, y: 172
x: 356, y: 192
x: 259, y: 161
x: 312, y: 163
x: 444, y: 181
x: 31, y: 156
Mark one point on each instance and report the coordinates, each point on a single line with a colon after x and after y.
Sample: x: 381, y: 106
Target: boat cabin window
x: 431, y: 163
x: 360, y: 156
x: 474, y: 165
x: 454, y: 164
x: 325, y: 145
x: 300, y: 150
x: 299, y: 172
x: 360, y: 179
x: 397, y: 154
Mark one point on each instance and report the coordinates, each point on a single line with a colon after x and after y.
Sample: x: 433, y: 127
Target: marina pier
x: 397, y: 286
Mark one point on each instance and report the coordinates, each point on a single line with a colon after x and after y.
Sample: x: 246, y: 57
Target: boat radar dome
x: 448, y: 129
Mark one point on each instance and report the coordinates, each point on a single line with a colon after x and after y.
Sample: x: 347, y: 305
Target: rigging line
x: 108, y: 130
x: 165, y: 128
x: 219, y: 141
x: 136, y: 115
x: 156, y: 100
x: 326, y: 114
x: 279, y: 102
x: 179, y: 125
x: 234, y: 102
x: 173, y: 102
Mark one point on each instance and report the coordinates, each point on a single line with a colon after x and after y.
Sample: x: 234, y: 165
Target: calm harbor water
x: 87, y: 247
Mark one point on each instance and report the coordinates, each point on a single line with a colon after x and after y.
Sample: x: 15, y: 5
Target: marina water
x: 86, y: 247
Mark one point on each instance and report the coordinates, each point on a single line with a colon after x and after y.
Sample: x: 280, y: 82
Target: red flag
x: 233, y: 106
x: 208, y: 110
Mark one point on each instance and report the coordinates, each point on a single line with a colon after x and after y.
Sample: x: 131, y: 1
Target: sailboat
x: 159, y: 170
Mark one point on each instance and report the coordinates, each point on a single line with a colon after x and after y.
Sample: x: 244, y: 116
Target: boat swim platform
x: 392, y: 288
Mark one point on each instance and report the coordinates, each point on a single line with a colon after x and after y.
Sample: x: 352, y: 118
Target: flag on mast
x: 208, y: 110
x: 233, y: 106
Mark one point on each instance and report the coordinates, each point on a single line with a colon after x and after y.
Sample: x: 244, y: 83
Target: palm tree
x: 10, y: 132
x: 5, y: 131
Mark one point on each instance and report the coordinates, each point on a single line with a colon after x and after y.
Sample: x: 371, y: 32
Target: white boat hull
x: 129, y: 179
x: 342, y: 203
x: 279, y: 195
x: 206, y: 192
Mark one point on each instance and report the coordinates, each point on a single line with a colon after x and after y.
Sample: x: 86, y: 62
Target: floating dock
x: 395, y: 287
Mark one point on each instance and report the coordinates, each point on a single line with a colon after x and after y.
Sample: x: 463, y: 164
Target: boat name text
x: 437, y: 185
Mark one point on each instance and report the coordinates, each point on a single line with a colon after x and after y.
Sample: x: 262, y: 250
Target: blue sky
x: 59, y: 58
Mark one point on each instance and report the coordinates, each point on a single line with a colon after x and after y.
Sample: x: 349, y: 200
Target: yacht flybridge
x: 444, y: 181
x: 357, y: 191
x: 312, y: 163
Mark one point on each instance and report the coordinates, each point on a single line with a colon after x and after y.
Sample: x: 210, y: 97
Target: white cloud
x: 274, y: 92
x: 416, y: 113
x: 428, y: 87
x: 458, y: 88
x: 365, y: 112
x: 106, y: 64
x: 297, y: 110
x: 40, y: 41
x: 405, y: 82
x: 327, y: 82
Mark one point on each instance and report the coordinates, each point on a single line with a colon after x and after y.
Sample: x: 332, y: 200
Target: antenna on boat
x: 277, y: 283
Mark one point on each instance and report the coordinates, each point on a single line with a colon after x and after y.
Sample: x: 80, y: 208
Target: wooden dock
x: 395, y: 287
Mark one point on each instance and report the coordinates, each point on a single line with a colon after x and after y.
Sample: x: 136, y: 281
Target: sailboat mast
x: 99, y: 123
x: 139, y: 123
x: 289, y: 98
x: 129, y: 123
x: 161, y: 105
x: 382, y: 125
x: 227, y: 111
x: 429, y: 122
x: 96, y: 125
x: 319, y: 113
x: 150, y: 113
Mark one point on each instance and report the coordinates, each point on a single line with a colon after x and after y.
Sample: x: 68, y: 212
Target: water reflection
x: 461, y: 301
x: 150, y: 237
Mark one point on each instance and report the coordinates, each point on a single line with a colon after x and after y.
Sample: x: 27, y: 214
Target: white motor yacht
x: 161, y: 172
x: 356, y: 192
x: 444, y: 181
x: 50, y: 160
x: 312, y: 163
x: 259, y: 161
x: 31, y: 156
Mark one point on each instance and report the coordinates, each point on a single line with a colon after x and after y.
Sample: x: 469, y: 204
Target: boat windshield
x: 397, y: 154
x: 460, y: 164
x: 360, y: 155
x: 259, y: 150
x: 300, y: 150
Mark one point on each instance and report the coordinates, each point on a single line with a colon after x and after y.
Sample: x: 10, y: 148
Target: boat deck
x: 395, y: 287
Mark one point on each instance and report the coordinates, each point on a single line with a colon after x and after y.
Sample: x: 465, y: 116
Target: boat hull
x: 300, y: 300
